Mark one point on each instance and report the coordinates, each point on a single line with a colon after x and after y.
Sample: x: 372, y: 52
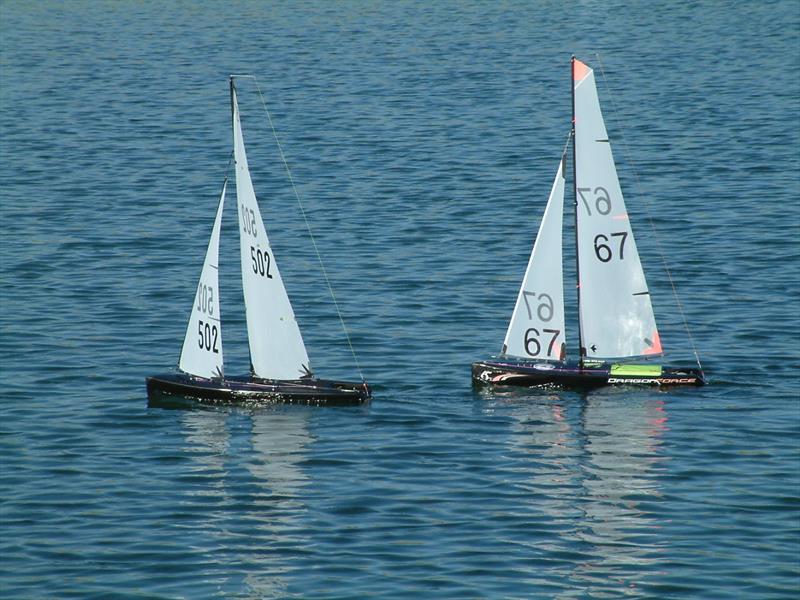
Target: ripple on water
x: 422, y: 143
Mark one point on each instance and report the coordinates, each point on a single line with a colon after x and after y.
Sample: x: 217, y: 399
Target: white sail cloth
x: 536, y: 329
x: 276, y: 345
x: 201, y: 354
x: 616, y: 315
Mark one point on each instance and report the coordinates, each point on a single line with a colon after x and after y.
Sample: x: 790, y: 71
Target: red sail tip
x: 579, y: 70
x: 655, y: 345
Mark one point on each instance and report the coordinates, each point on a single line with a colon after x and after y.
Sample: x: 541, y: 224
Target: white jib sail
x: 202, y: 347
x: 276, y: 346
x: 615, y: 311
x: 536, y: 330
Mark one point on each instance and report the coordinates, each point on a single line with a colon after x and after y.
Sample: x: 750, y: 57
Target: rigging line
x: 649, y: 213
x: 227, y: 171
x: 566, y: 145
x: 308, y: 227
x: 228, y: 166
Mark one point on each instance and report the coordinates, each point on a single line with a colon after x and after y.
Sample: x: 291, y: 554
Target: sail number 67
x: 602, y: 201
x: 532, y: 345
x: 603, y: 251
x: 545, y: 309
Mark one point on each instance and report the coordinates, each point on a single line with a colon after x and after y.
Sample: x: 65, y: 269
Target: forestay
x: 616, y: 315
x: 202, y: 347
x: 276, y: 345
x: 536, y: 329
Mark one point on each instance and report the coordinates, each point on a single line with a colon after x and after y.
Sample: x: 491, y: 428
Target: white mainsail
x: 616, y: 315
x: 536, y: 329
x: 276, y: 345
x: 201, y: 354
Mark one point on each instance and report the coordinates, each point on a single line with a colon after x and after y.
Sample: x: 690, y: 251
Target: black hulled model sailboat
x: 279, y: 362
x: 616, y: 321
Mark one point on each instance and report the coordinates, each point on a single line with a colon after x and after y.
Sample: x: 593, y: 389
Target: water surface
x: 423, y: 141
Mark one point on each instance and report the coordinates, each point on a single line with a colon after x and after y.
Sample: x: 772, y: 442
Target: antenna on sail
x: 307, y: 223
x: 649, y: 213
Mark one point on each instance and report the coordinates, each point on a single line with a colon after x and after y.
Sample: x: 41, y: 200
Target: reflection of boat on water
x: 543, y: 434
x: 591, y: 465
x: 622, y: 439
x: 280, y: 445
x: 270, y: 446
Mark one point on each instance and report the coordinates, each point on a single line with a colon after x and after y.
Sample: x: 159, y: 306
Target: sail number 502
x: 248, y: 216
x: 261, y: 262
x: 205, y: 299
x: 208, y: 336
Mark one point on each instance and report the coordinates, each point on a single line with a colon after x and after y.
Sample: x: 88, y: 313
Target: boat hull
x: 175, y: 389
x: 594, y: 374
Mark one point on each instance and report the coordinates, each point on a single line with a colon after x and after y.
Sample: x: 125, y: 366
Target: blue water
x: 423, y: 138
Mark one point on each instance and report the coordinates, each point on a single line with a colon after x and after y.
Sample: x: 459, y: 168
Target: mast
x: 233, y: 118
x: 581, y: 349
x: 233, y: 90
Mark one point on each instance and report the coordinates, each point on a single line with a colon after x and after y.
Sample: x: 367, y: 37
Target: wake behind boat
x: 280, y: 370
x: 616, y: 323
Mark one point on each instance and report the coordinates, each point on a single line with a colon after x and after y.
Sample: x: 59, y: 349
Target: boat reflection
x: 622, y: 436
x: 594, y: 465
x: 250, y: 469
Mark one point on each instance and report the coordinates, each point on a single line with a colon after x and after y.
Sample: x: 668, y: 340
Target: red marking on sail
x: 579, y: 70
x: 621, y: 217
x: 655, y: 347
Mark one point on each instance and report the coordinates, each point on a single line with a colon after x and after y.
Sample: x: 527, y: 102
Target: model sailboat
x: 279, y: 362
x: 616, y: 321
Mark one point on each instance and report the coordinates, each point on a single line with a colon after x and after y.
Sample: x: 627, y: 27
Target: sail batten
x: 616, y: 315
x: 536, y: 330
x: 276, y: 345
x: 201, y: 354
